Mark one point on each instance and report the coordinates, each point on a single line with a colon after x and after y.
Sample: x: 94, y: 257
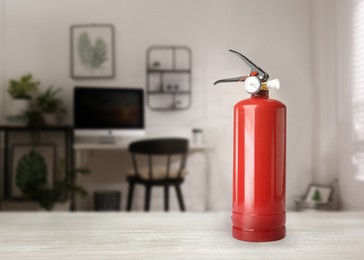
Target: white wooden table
x: 174, y: 236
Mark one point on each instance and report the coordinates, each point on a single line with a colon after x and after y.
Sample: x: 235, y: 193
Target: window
x: 358, y: 88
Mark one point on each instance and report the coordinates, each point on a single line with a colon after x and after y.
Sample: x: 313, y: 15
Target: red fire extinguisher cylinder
x: 259, y: 173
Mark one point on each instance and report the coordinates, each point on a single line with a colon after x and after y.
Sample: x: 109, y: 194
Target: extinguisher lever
x: 255, y: 71
x: 235, y: 79
x: 262, y: 75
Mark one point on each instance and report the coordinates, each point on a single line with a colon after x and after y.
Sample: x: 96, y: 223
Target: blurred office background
x: 315, y: 48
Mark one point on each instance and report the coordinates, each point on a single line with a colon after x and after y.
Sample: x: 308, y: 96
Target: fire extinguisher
x: 259, y: 163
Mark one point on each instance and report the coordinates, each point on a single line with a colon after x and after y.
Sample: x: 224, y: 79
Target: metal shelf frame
x: 172, y: 70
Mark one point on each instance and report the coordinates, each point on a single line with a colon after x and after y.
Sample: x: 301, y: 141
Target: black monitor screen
x: 110, y: 108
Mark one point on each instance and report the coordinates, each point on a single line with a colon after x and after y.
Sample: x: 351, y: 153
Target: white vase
x: 19, y: 106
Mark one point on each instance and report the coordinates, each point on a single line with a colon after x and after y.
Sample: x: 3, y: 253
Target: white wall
x: 277, y: 35
x: 333, y: 50
x: 325, y: 79
x: 352, y: 190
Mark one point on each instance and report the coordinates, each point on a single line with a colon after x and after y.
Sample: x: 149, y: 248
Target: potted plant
x: 21, y: 91
x: 49, y: 105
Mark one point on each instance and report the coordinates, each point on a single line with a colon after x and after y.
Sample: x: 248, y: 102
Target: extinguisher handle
x: 235, y: 79
x: 254, y: 71
x: 262, y: 75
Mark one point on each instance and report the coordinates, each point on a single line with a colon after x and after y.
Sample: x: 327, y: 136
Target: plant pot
x: 50, y: 118
x: 65, y: 206
x: 19, y: 106
x: 57, y: 207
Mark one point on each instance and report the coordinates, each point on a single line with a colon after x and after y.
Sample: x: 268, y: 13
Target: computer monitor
x: 108, y: 112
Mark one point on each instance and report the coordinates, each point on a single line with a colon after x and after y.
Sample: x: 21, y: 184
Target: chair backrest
x: 160, y: 146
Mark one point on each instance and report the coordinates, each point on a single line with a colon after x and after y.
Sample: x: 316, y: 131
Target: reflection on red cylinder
x: 259, y: 177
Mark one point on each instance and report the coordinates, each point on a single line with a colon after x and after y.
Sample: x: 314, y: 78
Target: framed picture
x: 92, y: 51
x: 47, y: 151
x: 318, y: 194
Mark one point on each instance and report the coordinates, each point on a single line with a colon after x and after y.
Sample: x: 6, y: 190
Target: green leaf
x: 31, y: 178
x: 31, y: 171
x: 99, y: 53
x: 48, y: 102
x: 91, y: 56
x: 23, y: 87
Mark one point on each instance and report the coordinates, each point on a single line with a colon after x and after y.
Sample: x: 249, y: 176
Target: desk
x: 83, y: 150
x: 322, y: 235
x: 124, y: 146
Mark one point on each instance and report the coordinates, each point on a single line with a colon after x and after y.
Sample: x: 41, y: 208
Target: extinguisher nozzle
x: 273, y: 84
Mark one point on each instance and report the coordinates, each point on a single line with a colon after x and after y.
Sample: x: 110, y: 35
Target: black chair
x: 150, y: 176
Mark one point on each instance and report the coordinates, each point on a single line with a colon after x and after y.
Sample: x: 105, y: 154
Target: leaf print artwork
x: 92, y: 56
x: 92, y: 51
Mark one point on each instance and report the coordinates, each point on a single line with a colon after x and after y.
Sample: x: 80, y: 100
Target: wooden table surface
x: 174, y: 236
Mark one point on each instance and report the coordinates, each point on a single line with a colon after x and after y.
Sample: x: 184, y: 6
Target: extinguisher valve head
x: 252, y: 84
x: 257, y: 79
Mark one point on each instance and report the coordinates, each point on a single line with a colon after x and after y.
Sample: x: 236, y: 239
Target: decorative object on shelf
x: 197, y: 135
x: 21, y: 92
x: 16, y: 120
x: 169, y: 79
x: 156, y: 64
x: 48, y: 154
x: 11, y: 156
x: 92, y: 51
x: 318, y: 194
x: 50, y: 106
x: 317, y: 197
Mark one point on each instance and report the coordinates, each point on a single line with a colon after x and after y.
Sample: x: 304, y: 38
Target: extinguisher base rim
x: 259, y: 235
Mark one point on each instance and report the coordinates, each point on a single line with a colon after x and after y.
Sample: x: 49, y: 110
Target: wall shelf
x: 169, y: 77
x: 167, y: 71
x: 169, y: 92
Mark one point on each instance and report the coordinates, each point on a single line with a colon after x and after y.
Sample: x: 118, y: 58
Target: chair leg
x: 148, y: 190
x: 130, y: 196
x: 180, y: 197
x: 166, y: 198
